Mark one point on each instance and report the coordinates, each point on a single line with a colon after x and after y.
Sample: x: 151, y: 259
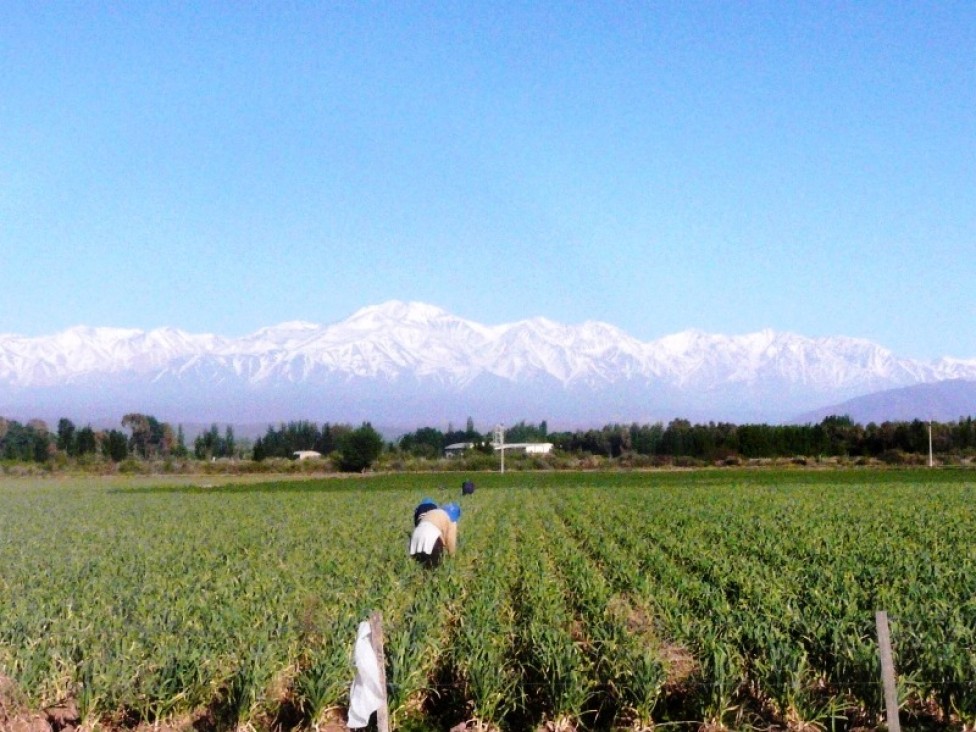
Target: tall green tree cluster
x: 289, y: 438
x: 356, y: 449
x: 429, y: 442
x: 143, y: 436
x: 29, y: 442
x: 526, y: 432
x: 148, y: 437
x: 834, y: 436
x: 211, y: 444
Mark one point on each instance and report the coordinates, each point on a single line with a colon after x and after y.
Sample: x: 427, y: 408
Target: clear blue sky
x: 808, y: 167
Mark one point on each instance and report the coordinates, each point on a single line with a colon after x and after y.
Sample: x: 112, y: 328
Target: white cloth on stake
x: 365, y: 695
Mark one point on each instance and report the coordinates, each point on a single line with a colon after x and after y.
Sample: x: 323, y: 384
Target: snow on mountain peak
x: 296, y: 325
x: 289, y: 329
x: 398, y: 310
x: 399, y: 343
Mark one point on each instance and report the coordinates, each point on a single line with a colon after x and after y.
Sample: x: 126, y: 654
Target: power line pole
x: 500, y: 442
x: 931, y: 462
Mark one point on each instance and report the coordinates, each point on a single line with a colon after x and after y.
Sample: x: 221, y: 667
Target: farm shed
x: 307, y: 454
x: 457, y: 448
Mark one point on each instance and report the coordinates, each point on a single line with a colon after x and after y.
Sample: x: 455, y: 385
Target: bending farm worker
x: 435, y: 531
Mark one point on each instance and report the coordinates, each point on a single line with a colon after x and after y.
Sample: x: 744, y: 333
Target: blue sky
x: 806, y: 167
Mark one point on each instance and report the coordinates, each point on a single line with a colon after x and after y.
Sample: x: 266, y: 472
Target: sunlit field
x: 576, y: 600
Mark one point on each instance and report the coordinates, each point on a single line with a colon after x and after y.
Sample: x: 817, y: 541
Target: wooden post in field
x: 887, y: 671
x: 376, y: 640
x: 931, y: 461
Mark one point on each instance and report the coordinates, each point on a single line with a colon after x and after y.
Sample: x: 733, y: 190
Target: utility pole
x: 931, y: 462
x: 500, y: 442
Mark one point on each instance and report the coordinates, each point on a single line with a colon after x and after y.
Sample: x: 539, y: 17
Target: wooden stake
x: 376, y: 640
x: 887, y: 671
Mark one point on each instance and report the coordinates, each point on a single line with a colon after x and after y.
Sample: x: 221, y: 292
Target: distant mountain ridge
x: 941, y: 401
x: 413, y: 363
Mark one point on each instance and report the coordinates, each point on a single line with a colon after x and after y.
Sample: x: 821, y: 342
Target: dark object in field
x: 467, y: 488
x: 427, y: 504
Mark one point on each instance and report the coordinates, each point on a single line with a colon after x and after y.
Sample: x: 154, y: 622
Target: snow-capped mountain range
x: 414, y: 364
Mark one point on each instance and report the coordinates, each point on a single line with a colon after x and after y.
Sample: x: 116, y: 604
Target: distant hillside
x: 943, y: 401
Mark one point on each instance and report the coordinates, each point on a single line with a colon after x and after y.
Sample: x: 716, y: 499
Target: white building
x: 529, y: 448
x: 457, y: 448
x: 307, y: 454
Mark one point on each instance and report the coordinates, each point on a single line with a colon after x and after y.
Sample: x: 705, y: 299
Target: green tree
x: 230, y: 445
x: 85, y: 441
x: 40, y: 440
x: 360, y: 448
x: 139, y: 433
x: 676, y: 440
x: 208, y: 444
x: 148, y: 437
x: 115, y: 446
x: 425, y: 442
x: 527, y: 432
x: 646, y: 438
x: 164, y: 438
x: 66, y: 436
x: 180, y: 450
x: 327, y: 440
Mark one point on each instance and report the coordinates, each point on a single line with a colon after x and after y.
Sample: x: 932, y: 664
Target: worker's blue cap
x: 453, y: 510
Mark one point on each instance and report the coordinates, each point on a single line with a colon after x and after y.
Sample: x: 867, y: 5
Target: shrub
x: 131, y: 466
x: 359, y: 448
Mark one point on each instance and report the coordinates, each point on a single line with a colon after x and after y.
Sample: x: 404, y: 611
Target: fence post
x: 887, y: 671
x: 376, y: 639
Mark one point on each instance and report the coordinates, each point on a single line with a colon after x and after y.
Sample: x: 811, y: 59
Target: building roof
x: 306, y: 454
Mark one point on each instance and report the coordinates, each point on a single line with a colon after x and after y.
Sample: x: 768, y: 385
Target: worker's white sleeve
x: 365, y: 695
x: 424, y: 538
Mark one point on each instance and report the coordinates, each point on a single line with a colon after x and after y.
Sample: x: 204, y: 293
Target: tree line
x: 355, y: 449
x: 835, y: 436
x: 35, y: 442
x: 142, y: 436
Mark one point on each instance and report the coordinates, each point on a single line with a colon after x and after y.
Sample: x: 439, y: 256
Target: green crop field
x: 576, y: 600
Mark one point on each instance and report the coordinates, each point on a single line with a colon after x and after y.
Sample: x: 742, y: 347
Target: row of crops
x: 583, y: 601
